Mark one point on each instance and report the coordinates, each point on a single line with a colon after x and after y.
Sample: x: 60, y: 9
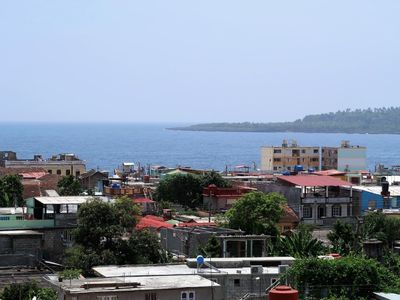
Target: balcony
x: 330, y: 200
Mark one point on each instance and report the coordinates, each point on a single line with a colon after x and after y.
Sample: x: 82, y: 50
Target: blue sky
x: 195, y: 61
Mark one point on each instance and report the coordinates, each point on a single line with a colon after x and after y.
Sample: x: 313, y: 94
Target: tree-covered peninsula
x: 375, y: 121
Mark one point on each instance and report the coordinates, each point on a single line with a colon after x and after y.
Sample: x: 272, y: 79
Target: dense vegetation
x: 69, y: 186
x: 11, y: 190
x: 256, y: 213
x: 186, y: 189
x: 345, y: 278
x: 378, y: 120
x: 105, y: 235
x: 26, y: 291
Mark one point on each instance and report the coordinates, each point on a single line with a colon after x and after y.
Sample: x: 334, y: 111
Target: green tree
x: 350, y: 277
x: 26, y: 291
x: 214, y: 178
x: 11, y: 191
x: 256, y: 213
x: 184, y: 189
x: 383, y: 227
x: 143, y: 247
x: 70, y: 274
x: 212, y: 248
x: 343, y: 238
x: 105, y: 236
x: 69, y: 186
x: 299, y: 244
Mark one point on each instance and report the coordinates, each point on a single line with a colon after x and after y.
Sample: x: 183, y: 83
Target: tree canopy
x: 184, y: 189
x: 378, y: 120
x: 11, y: 191
x: 256, y: 213
x: 105, y: 235
x: 69, y: 186
x: 26, y: 291
x: 299, y: 244
x: 348, y: 277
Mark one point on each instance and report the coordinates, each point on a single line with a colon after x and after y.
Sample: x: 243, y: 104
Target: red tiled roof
x: 32, y: 175
x: 143, y: 200
x: 289, y: 216
x: 152, y: 222
x: 16, y: 171
x: 313, y: 180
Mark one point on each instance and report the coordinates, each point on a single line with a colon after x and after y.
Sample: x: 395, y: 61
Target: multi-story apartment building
x: 62, y: 164
x: 351, y: 158
x: 289, y: 155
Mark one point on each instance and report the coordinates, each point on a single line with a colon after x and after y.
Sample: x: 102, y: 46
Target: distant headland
x: 375, y: 121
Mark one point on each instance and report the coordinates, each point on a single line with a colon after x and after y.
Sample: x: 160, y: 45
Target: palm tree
x: 299, y: 244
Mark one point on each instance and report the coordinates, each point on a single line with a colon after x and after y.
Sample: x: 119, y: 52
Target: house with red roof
x: 317, y: 199
x: 221, y: 199
x: 153, y: 223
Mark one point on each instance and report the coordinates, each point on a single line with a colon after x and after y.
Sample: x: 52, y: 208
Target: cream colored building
x: 63, y: 164
x: 288, y: 155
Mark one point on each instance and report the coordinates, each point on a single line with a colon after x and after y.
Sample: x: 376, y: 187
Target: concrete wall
x: 200, y: 294
x: 352, y: 159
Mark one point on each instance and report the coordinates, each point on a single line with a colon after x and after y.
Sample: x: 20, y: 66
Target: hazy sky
x: 194, y: 61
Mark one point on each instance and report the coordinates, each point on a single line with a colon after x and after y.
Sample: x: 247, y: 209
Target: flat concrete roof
x: 146, y: 283
x: 376, y: 189
x: 148, y: 270
x: 20, y: 232
x: 66, y: 200
x: 183, y: 269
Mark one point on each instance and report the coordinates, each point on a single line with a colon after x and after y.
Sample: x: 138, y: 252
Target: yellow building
x: 62, y: 164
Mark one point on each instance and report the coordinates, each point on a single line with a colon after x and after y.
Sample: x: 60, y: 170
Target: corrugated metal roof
x: 312, y: 180
x: 63, y: 200
x: 376, y: 189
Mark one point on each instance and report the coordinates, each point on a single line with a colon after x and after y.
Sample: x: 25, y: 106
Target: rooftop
x: 312, y: 180
x: 19, y: 232
x: 138, y: 283
x: 393, y: 189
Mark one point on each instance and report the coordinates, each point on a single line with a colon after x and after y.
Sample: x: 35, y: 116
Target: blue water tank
x: 298, y: 168
x: 311, y: 170
x: 286, y: 173
x: 115, y: 186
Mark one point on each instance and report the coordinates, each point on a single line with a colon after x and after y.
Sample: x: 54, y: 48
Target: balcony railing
x: 322, y: 200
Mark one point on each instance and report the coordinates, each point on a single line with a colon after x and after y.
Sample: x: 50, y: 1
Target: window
x: 150, y: 296
x: 321, y: 211
x: 303, y: 150
x: 4, y: 218
x: 77, y: 173
x: 336, y: 211
x: 107, y: 297
x: 236, y: 282
x: 314, y: 159
x: 50, y: 171
x: 275, y: 168
x: 307, y: 212
x: 68, y: 172
x: 188, y: 295
x: 277, y: 159
x: 277, y: 151
x: 316, y: 151
x: 58, y: 172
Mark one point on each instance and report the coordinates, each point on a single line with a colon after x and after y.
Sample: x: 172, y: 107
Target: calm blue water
x: 108, y: 145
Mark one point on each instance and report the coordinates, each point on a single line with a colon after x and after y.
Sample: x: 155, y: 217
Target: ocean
x: 106, y: 146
